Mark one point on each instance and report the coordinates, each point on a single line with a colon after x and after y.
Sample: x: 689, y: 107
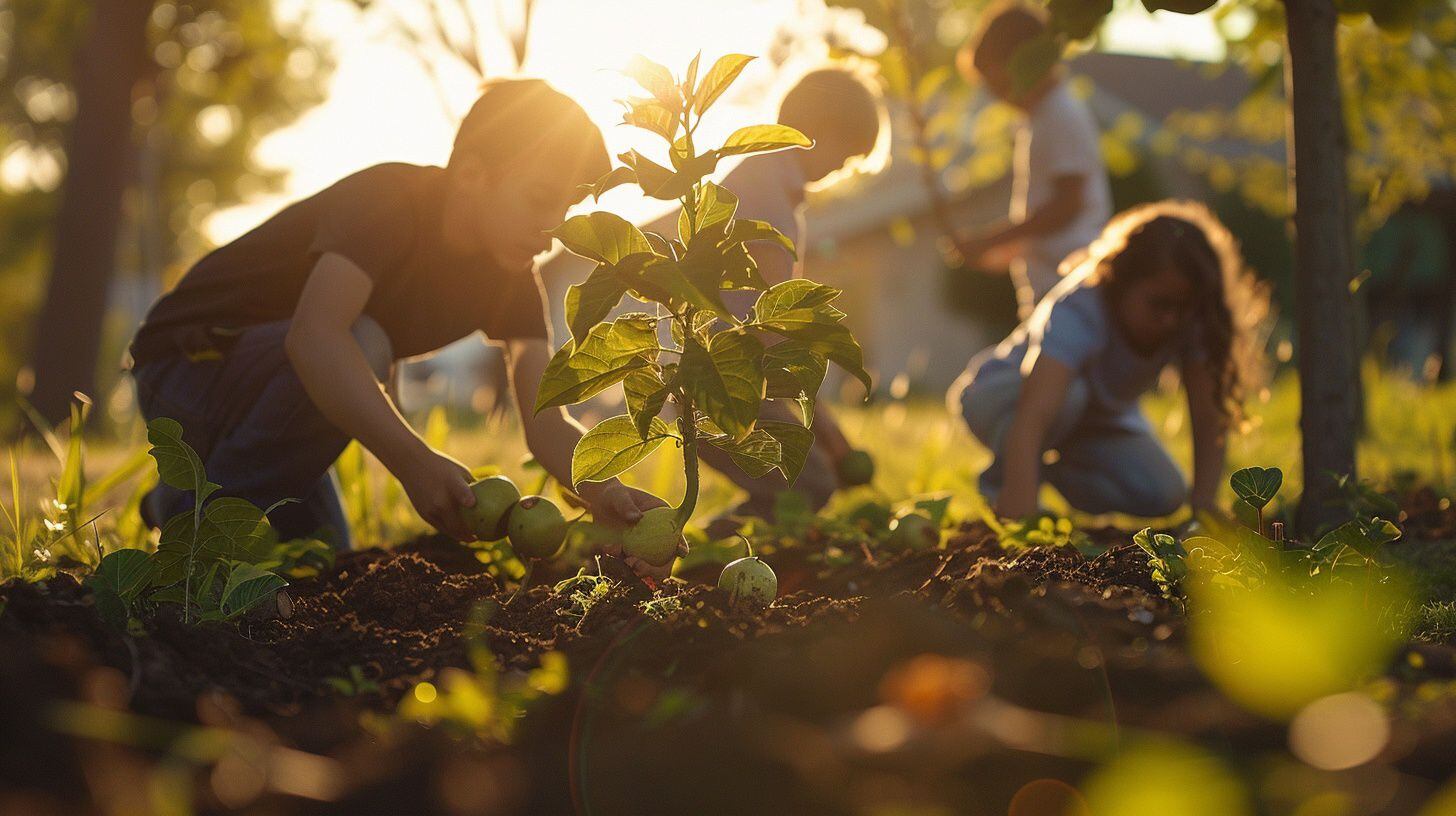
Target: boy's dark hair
x: 837, y: 101
x: 1004, y: 29
x: 514, y: 118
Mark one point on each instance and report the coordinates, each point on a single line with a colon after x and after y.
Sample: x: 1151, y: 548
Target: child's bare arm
x: 1067, y: 202
x: 1042, y: 394
x: 1209, y: 436
x: 337, y: 377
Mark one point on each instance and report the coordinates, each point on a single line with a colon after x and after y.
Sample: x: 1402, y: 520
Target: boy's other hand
x: 439, y: 488
x: 617, y: 505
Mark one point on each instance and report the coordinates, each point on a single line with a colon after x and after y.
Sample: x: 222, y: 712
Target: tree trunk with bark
x: 1328, y: 361
x: 67, y: 337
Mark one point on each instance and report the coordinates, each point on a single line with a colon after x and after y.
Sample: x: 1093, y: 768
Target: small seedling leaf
x: 124, y: 572
x: 1257, y: 486
x: 247, y: 585
x: 177, y: 464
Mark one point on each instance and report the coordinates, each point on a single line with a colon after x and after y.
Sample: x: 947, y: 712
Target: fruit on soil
x: 914, y: 532
x: 537, y: 528
x: 856, y: 468
x: 654, y: 538
x: 749, y: 581
x: 494, y: 498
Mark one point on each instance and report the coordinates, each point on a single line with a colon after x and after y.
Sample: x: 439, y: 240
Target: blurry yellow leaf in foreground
x: 1166, y: 779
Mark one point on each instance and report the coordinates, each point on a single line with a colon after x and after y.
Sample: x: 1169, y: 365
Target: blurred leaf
x: 614, y: 446
x: 1178, y: 6
x: 654, y: 78
x: 652, y: 116
x: 615, y: 177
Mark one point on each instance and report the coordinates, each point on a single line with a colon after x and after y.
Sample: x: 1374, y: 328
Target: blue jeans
x: 257, y: 432
x: 1107, y: 463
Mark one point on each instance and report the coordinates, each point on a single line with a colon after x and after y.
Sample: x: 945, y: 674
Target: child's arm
x: 552, y: 436
x: 1042, y: 394
x: 1209, y: 436
x: 338, y: 380
x: 1066, y: 203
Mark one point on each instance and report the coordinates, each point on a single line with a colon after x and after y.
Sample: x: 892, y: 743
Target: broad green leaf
x: 658, y: 181
x: 748, y: 229
x: 715, y: 208
x: 588, y: 302
x: 1257, y: 486
x: 763, y: 139
x: 656, y: 79
x: 177, y: 464
x: 783, y: 298
x: 125, y: 572
x: 717, y: 80
x: 794, y: 441
x: 757, y: 455
x: 794, y: 371
x: 234, y: 529
x: 174, y: 544
x: 725, y: 380
x: 610, y: 352
x: 602, y: 237
x: 612, y: 447
x: 247, y: 585
x: 835, y: 342
x: 652, y: 116
x: 739, y: 269
x: 615, y: 177
x: 667, y: 283
x: 646, y: 394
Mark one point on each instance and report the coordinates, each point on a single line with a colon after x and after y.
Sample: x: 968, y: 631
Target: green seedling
x: 494, y: 498
x: 1256, y: 487
x: 1166, y: 558
x: 856, y: 469
x: 914, y: 531
x: 750, y: 581
x: 716, y: 368
x: 655, y: 538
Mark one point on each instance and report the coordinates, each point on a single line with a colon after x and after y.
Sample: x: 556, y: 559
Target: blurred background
x: 170, y: 127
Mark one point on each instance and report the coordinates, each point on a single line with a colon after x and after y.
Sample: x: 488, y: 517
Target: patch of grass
x: 1436, y: 622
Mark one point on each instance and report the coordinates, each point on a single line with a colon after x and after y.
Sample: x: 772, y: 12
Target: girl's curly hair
x: 1231, y: 304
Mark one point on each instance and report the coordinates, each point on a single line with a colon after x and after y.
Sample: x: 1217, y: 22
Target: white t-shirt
x: 1058, y: 138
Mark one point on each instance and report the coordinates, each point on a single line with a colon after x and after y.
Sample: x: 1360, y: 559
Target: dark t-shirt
x: 386, y: 219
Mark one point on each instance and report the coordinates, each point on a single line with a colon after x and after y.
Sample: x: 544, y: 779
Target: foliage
x: 725, y: 365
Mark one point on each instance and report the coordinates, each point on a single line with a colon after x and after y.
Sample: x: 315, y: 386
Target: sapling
x: 749, y: 580
x: 494, y: 498
x: 856, y: 469
x: 718, y: 368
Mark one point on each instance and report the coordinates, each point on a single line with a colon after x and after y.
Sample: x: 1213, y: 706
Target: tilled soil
x: 1043, y: 664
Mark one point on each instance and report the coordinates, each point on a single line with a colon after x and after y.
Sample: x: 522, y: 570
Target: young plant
x: 1256, y: 487
x: 718, y: 367
x: 1167, y: 559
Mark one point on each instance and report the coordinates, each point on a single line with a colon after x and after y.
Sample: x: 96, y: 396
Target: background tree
x: 125, y: 124
x: 1394, y: 59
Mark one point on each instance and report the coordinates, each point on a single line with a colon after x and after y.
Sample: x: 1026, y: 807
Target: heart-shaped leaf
x: 1257, y: 486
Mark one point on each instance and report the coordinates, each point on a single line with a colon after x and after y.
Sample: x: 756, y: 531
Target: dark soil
x: 711, y: 709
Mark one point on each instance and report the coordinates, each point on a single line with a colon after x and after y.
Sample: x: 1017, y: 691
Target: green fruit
x: 856, y: 468
x: 587, y: 539
x: 750, y: 581
x: 537, y: 528
x: 914, y: 532
x: 494, y: 498
x: 655, y: 537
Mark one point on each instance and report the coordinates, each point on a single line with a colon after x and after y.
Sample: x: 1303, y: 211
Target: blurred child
x: 1163, y: 285
x: 1060, y: 198
x: 844, y: 115
x: 271, y: 349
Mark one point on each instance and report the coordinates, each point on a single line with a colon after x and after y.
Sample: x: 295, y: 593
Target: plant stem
x: 525, y: 581
x: 689, y: 430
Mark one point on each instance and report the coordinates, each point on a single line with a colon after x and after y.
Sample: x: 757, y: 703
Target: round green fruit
x: 494, y: 498
x: 914, y: 532
x: 856, y: 468
x: 750, y: 581
x: 537, y: 528
x: 654, y: 538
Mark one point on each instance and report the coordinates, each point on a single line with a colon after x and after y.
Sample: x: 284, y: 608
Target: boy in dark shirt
x: 271, y: 350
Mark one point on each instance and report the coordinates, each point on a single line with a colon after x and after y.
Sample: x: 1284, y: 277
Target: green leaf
x: 784, y: 300
x: 652, y: 116
x: 654, y: 78
x: 234, y: 529
x: 748, y: 229
x: 794, y: 371
x: 763, y: 139
x: 717, y: 80
x: 615, y: 177
x: 1257, y: 486
x: 612, y: 447
x: 588, y: 302
x: 690, y: 78
x: 1180, y: 6
x: 602, y: 237
x: 832, y: 340
x: 177, y: 464
x: 610, y: 352
x: 715, y: 208
x: 247, y: 585
x: 758, y: 454
x: 646, y: 394
x: 725, y: 380
x: 795, y: 441
x: 667, y: 283
x: 124, y: 572
x: 658, y: 181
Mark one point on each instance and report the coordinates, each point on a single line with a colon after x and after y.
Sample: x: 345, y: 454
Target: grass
x: 919, y: 449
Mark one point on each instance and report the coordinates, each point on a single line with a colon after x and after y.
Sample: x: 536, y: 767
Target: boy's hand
x: 617, y: 505
x: 439, y: 488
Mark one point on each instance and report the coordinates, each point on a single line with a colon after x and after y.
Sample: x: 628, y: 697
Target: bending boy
x: 271, y: 349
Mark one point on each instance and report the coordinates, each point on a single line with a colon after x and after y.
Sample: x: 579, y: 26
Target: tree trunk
x: 67, y: 337
x: 1328, y: 363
